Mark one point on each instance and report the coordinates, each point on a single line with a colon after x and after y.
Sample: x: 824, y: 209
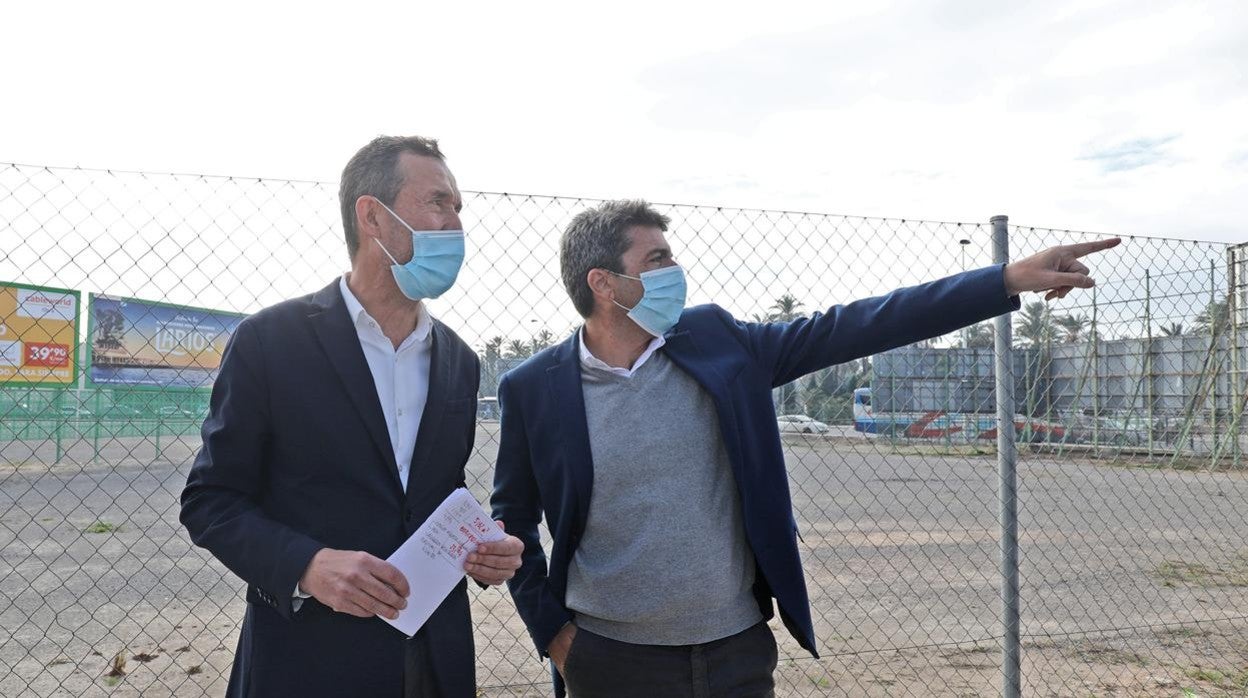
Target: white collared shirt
x: 591, y: 361
x: 401, y: 375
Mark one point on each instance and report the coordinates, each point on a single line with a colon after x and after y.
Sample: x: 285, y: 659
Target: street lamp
x: 963, y: 241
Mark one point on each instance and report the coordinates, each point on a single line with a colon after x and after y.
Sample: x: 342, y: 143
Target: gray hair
x: 597, y: 238
x: 374, y: 171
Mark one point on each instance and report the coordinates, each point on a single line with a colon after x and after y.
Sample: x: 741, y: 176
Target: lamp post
x: 963, y: 241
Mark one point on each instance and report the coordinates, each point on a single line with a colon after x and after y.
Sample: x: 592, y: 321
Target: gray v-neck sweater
x: 663, y: 559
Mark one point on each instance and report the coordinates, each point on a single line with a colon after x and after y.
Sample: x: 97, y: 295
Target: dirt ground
x: 1134, y: 580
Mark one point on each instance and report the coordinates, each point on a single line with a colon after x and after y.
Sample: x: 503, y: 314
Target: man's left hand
x: 1055, y: 271
x: 495, y: 562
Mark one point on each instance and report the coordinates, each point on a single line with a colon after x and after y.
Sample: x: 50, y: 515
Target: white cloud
x: 1130, y: 155
x: 946, y: 110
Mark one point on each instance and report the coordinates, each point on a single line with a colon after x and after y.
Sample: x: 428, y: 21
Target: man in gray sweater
x: 648, y: 442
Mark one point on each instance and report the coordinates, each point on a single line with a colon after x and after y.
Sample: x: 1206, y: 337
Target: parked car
x: 799, y: 424
x: 1124, y: 429
x: 175, y: 412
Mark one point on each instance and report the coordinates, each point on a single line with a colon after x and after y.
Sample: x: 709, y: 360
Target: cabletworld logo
x: 40, y: 305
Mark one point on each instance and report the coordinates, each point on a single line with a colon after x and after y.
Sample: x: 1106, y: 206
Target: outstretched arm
x: 873, y: 325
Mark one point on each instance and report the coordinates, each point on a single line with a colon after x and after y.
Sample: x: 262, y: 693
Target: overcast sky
x: 1102, y: 115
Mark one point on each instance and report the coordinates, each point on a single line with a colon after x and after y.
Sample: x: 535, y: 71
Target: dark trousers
x: 425, y: 677
x: 738, y: 666
x: 418, y: 674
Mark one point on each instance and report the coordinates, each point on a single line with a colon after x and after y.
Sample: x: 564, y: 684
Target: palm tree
x: 1174, y: 329
x: 1212, y: 319
x: 785, y: 309
x: 493, y: 350
x: 542, y: 340
x: 1035, y: 324
x: 518, y: 349
x: 978, y: 336
x: 1073, y: 326
x: 110, y: 325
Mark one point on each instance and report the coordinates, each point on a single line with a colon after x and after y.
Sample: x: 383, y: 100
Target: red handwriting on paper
x: 472, y: 538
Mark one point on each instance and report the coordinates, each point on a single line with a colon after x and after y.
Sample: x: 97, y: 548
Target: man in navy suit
x: 648, y: 441
x: 338, y: 423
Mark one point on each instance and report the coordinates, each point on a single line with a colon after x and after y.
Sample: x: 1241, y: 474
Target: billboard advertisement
x: 38, y: 335
x: 143, y: 343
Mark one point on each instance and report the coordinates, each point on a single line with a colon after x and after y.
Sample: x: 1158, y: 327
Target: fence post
x: 59, y: 400
x: 1148, y: 357
x: 1096, y: 381
x: 1216, y: 367
x: 949, y: 354
x: 1232, y: 317
x: 95, y: 432
x: 1007, y: 480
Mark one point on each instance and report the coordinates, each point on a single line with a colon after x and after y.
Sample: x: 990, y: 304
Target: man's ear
x: 366, y: 217
x: 599, y: 281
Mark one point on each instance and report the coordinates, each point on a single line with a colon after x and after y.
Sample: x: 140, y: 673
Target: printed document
x: 432, y: 559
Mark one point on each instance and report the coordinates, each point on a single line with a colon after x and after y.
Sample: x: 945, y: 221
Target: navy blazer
x: 544, y: 463
x: 296, y: 457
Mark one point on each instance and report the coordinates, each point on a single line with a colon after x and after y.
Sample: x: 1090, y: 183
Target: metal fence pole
x: 59, y: 416
x: 1096, y: 381
x: 1216, y: 365
x: 1232, y: 316
x: 1148, y: 356
x: 1007, y: 460
x: 948, y: 403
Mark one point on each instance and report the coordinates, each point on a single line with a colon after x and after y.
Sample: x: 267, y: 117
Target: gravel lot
x: 1134, y: 579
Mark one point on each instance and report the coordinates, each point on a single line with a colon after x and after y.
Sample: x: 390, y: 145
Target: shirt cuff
x: 299, y: 596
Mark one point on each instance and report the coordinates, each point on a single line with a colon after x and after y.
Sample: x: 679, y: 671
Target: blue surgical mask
x: 662, y: 301
x: 437, y: 256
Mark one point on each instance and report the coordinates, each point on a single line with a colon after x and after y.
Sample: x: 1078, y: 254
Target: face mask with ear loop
x: 662, y: 300
x: 437, y: 256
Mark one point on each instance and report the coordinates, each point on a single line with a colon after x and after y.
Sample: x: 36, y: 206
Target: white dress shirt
x: 591, y: 361
x: 401, y: 375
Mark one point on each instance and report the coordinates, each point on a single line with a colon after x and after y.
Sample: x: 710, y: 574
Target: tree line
x: 1037, y: 325
x: 499, y: 347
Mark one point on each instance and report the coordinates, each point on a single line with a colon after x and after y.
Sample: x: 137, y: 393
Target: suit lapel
x: 440, y: 370
x: 564, y: 380
x: 336, y: 332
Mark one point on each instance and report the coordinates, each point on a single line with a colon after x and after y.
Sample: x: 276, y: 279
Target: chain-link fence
x: 1133, y: 577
